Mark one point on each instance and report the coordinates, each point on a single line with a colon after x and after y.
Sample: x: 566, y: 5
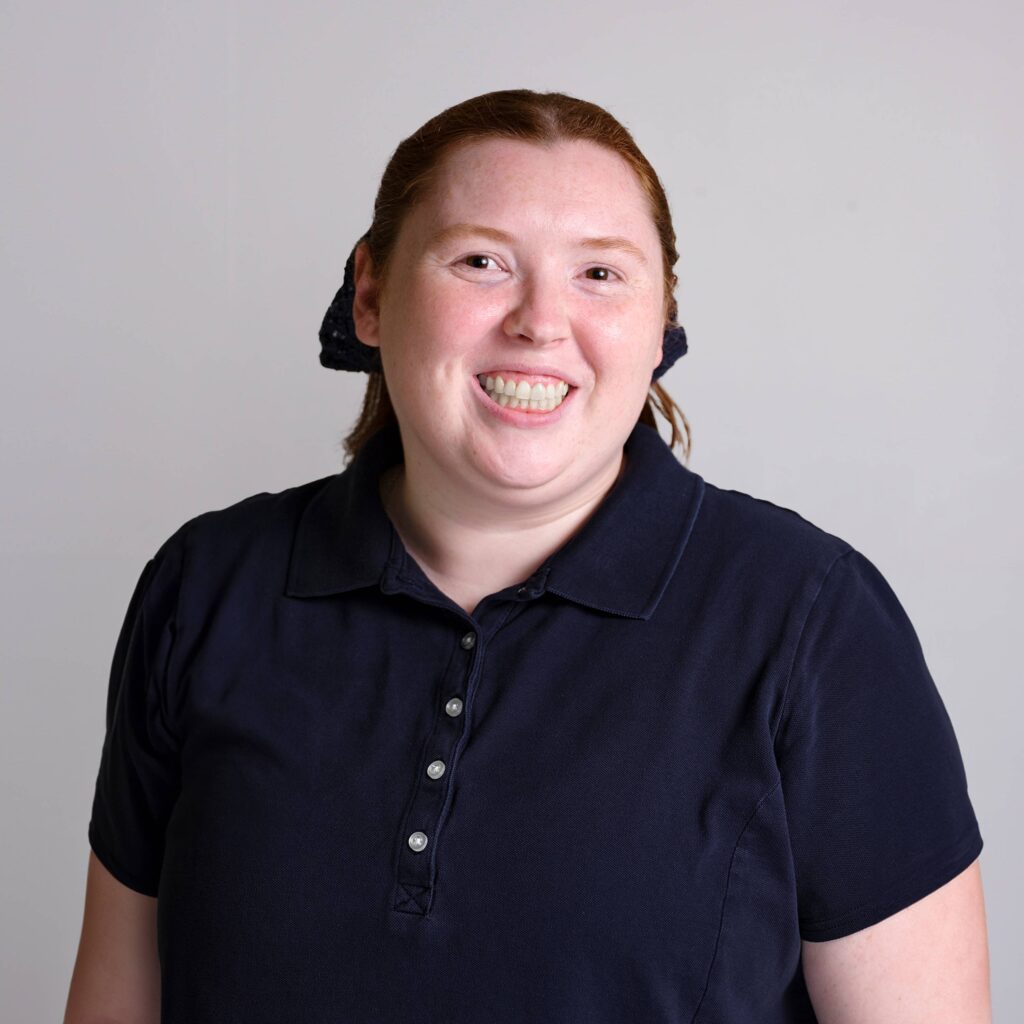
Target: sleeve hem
x: 916, y: 887
x: 132, y: 880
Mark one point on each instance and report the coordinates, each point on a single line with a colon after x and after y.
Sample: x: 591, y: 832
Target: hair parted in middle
x: 541, y: 118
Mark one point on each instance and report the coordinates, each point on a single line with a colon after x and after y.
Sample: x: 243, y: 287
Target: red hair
x: 542, y: 118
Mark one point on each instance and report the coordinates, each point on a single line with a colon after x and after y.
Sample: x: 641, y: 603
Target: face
x: 538, y: 266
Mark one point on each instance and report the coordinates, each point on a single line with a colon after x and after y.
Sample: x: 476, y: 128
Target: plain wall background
x: 183, y: 182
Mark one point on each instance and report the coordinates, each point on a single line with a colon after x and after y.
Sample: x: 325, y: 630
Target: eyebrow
x: 604, y: 242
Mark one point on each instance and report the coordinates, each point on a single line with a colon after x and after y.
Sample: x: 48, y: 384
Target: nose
x: 541, y: 314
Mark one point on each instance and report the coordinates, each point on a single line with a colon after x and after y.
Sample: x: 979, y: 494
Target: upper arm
x: 926, y: 963
x: 117, y: 971
x: 878, y: 810
x: 116, y: 976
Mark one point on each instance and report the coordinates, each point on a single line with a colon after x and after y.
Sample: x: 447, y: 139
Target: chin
x: 521, y: 473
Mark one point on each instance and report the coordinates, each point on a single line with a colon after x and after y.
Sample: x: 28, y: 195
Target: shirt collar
x: 620, y: 561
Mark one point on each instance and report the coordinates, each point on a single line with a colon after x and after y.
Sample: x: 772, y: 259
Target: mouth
x: 532, y: 393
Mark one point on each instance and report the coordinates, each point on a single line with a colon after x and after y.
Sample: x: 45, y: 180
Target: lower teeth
x: 511, y: 402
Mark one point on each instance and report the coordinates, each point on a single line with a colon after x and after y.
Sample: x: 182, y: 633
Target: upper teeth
x: 521, y: 394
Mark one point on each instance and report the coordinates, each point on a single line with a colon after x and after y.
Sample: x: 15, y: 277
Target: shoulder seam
x: 165, y: 688
x: 784, y: 709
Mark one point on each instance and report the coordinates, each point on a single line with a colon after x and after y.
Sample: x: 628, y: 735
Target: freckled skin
x: 439, y: 324
x: 474, y: 304
x: 927, y: 964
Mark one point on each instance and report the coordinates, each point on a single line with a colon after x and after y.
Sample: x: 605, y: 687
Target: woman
x: 517, y: 718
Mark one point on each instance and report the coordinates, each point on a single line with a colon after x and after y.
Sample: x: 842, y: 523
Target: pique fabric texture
x: 625, y: 788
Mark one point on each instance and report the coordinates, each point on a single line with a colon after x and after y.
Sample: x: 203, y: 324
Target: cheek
x: 450, y: 318
x: 467, y: 311
x: 626, y: 344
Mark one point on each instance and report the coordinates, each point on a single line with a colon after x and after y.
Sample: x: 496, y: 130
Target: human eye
x: 609, y: 274
x: 479, y: 257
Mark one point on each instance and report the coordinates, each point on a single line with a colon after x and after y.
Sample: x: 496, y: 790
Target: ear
x: 366, y: 300
x: 660, y: 354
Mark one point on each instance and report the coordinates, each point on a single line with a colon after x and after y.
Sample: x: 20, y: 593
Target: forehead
x: 578, y: 185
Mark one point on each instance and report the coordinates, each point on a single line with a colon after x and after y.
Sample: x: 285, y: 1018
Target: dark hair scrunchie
x: 341, y: 349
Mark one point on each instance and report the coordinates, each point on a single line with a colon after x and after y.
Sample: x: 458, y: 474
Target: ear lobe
x: 366, y: 300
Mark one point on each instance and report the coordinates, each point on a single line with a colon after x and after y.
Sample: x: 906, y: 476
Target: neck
x: 469, y: 546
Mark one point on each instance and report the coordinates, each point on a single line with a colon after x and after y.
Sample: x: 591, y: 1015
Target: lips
x: 542, y: 372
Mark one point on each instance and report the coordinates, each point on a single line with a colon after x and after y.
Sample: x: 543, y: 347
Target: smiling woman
x: 530, y: 312
x: 516, y: 717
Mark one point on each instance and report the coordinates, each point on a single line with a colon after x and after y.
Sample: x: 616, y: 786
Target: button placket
x: 414, y: 882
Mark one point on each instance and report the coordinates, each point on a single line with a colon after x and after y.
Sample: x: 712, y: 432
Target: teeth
x: 521, y: 395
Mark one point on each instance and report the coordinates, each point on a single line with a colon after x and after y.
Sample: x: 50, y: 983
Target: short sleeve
x: 139, y: 773
x: 872, y: 777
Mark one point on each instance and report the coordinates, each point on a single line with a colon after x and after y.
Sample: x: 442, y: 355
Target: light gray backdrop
x: 183, y: 182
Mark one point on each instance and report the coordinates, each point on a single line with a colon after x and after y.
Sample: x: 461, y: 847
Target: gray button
x: 454, y: 707
x: 435, y: 769
x: 468, y: 640
x: 522, y: 590
x: 417, y: 842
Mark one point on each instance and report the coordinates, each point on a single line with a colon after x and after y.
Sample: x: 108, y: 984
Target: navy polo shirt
x: 623, y: 789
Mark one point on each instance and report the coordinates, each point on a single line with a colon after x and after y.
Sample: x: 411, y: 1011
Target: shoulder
x: 757, y: 535
x: 255, y: 514
x: 249, y: 537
